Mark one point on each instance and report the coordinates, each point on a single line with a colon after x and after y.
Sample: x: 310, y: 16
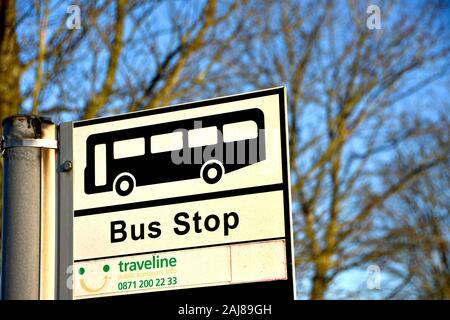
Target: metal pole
x: 48, y: 214
x: 23, y: 203
x: 65, y: 216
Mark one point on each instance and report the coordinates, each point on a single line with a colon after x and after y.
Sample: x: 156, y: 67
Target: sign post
x: 183, y: 197
x: 29, y: 216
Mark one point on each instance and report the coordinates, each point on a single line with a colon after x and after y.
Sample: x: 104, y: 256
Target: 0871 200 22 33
x: 147, y: 283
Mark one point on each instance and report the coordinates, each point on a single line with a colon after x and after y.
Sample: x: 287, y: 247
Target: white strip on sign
x: 229, y: 264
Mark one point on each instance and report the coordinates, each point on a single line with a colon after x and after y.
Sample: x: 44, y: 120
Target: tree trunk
x: 320, y: 280
x: 10, y: 69
x: 319, y: 286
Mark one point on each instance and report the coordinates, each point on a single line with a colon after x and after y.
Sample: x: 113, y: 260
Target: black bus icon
x: 124, y: 159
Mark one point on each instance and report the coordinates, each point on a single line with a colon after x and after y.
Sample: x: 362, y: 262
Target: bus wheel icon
x: 124, y: 184
x: 212, y: 171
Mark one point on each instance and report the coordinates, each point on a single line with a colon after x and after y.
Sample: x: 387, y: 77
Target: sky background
x: 136, y: 65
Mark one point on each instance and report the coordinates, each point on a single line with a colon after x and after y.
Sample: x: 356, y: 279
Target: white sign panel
x: 188, y: 196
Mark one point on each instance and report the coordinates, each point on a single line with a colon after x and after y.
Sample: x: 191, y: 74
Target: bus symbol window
x: 129, y: 148
x: 202, y: 137
x: 100, y: 164
x: 166, y: 142
x: 124, y: 159
x: 245, y: 130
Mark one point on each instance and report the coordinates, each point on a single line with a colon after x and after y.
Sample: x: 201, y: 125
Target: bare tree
x: 352, y: 94
x: 414, y: 223
x: 347, y: 86
x: 126, y: 55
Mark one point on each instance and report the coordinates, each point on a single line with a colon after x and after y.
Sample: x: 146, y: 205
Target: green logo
x: 87, y: 288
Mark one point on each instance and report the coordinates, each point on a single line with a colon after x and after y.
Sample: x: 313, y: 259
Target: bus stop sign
x: 183, y: 197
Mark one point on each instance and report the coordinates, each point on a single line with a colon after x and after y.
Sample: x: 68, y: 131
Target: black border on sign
x: 208, y: 103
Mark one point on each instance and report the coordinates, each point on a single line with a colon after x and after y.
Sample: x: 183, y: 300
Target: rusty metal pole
x: 28, y: 254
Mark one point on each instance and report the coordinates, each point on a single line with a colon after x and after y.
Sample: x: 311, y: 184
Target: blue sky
x: 425, y: 102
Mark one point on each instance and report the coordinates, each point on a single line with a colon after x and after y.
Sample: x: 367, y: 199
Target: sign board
x: 187, y: 196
